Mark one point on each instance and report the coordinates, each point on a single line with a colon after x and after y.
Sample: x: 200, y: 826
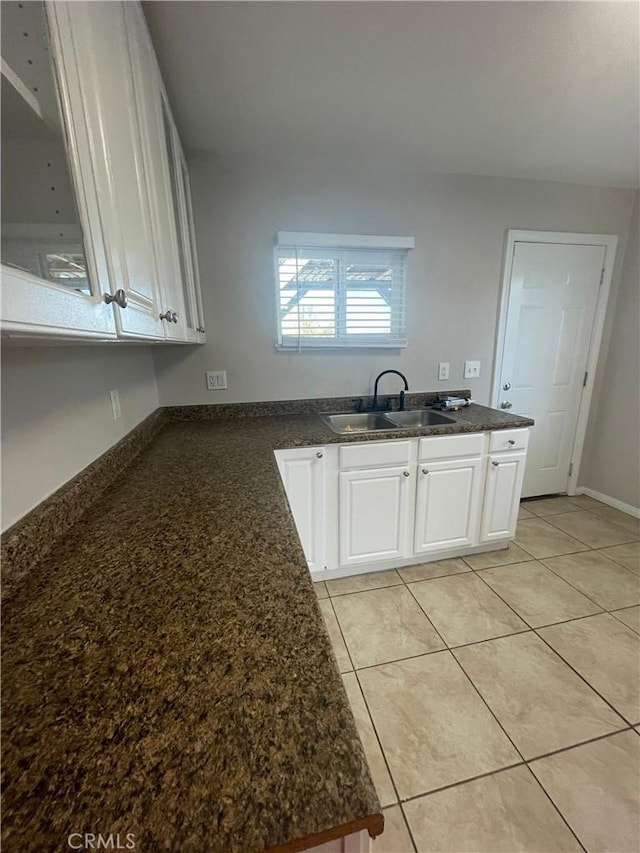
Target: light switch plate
x: 443, y: 370
x: 216, y: 380
x: 471, y: 369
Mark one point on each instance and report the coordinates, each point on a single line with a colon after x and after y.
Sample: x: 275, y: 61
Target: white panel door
x: 303, y: 474
x: 447, y: 505
x: 374, y: 514
x: 552, y: 304
x: 106, y: 82
x: 505, y: 472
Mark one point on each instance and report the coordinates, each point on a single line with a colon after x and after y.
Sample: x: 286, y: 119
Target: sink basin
x: 358, y: 422
x: 414, y: 418
x: 354, y: 422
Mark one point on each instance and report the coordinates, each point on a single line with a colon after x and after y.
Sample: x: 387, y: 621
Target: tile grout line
x: 556, y: 807
x: 597, y: 692
x: 605, y: 521
x: 590, y: 686
x: 584, y: 594
x: 447, y: 647
x: 375, y: 731
x: 524, y: 763
x: 382, y: 752
x: 335, y: 616
x: 408, y: 825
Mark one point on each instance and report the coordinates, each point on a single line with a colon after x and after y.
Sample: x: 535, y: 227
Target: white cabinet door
x: 54, y: 272
x: 505, y: 472
x: 448, y: 504
x: 106, y: 83
x: 159, y: 163
x: 375, y: 514
x: 303, y: 474
x: 183, y: 214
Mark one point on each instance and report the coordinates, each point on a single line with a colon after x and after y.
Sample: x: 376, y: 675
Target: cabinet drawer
x: 374, y: 454
x: 509, y: 439
x: 451, y: 446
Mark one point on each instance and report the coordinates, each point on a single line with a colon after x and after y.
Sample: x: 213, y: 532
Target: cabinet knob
x: 319, y: 455
x: 200, y: 329
x: 174, y: 317
x: 119, y: 297
x: 495, y: 464
x: 406, y: 474
x: 506, y: 405
x: 425, y: 470
x: 511, y: 441
x: 506, y: 386
x: 166, y: 316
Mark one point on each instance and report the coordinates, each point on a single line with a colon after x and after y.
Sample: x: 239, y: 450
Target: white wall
x: 454, y: 273
x: 612, y: 446
x: 56, y: 414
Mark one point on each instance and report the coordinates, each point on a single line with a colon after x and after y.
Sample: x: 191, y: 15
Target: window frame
x: 339, y: 247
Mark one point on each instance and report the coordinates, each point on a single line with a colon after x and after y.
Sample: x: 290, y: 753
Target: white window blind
x: 341, y: 290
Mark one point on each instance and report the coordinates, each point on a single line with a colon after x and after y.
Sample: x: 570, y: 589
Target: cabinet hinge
x: 584, y: 381
x: 602, y: 275
x: 570, y: 468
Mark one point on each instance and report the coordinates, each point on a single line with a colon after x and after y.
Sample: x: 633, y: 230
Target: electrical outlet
x: 443, y: 370
x: 471, y: 369
x: 216, y: 380
x: 115, y: 404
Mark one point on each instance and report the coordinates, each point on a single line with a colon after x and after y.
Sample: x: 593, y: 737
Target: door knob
x: 506, y: 386
x: 506, y: 404
x: 119, y: 297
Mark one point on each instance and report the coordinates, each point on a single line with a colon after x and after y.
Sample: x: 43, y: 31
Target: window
x: 341, y: 290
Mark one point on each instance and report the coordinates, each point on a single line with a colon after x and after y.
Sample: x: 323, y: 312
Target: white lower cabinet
x: 374, y: 515
x: 393, y: 503
x: 505, y: 472
x: 448, y: 502
x: 303, y: 474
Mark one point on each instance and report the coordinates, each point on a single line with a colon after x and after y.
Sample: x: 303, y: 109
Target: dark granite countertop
x: 166, y: 670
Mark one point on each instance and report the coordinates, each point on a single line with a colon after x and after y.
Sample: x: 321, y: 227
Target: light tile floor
x: 498, y: 696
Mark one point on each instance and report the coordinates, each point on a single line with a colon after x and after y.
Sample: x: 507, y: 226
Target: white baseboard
x: 606, y: 499
x: 416, y: 559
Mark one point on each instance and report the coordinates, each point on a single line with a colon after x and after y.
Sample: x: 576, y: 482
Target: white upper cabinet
x: 108, y: 96
x: 54, y: 265
x: 132, y: 276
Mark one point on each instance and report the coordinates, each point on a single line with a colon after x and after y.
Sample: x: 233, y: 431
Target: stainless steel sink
x: 358, y: 422
x: 414, y: 418
x: 355, y: 422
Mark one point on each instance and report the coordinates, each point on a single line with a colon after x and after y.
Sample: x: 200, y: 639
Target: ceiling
x: 543, y: 90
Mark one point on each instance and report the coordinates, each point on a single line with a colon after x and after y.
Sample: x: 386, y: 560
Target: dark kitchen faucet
x: 375, y: 388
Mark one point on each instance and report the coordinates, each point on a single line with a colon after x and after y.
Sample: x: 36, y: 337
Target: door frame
x: 610, y: 242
